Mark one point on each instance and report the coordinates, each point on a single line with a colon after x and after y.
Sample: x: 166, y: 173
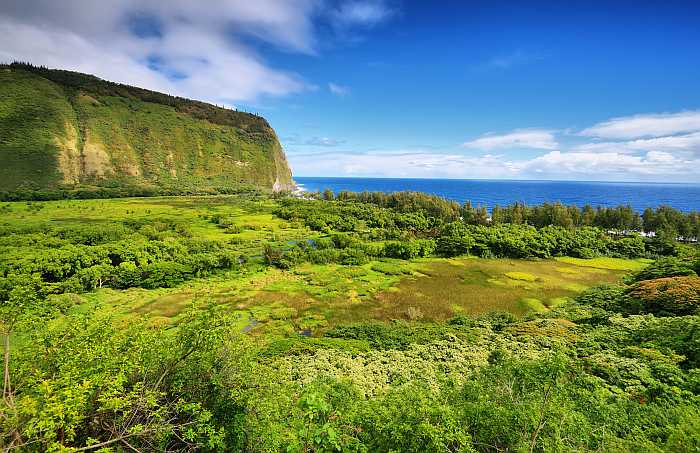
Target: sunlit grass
x: 617, y: 264
x: 524, y: 276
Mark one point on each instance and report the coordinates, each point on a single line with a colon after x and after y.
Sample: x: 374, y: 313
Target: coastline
x: 682, y: 196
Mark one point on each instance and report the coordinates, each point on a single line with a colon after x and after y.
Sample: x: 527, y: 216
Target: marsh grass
x: 479, y: 286
x: 316, y: 297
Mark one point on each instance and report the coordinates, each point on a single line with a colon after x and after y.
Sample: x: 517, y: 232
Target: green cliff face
x: 61, y: 129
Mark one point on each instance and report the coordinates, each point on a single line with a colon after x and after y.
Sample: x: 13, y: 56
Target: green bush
x: 411, y: 249
x: 606, y: 297
x: 454, y: 240
x: 667, y: 296
x: 668, y: 266
x: 325, y: 256
x: 627, y: 247
x: 164, y: 274
x: 390, y: 268
x: 354, y: 257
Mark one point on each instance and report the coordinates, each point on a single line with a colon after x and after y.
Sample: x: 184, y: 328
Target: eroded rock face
x: 279, y: 186
x: 68, y: 159
x: 283, y: 176
x: 96, y: 161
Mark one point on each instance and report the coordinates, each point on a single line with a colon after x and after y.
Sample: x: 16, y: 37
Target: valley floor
x: 311, y: 297
x: 258, y: 324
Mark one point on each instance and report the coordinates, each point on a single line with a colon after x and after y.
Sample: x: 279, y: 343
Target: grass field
x: 314, y: 297
x: 438, y: 289
x: 607, y: 263
x: 310, y: 298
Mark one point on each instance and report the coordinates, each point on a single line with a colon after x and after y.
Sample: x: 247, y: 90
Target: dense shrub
x: 454, y: 240
x: 324, y: 256
x: 606, y: 297
x: 354, y: 257
x: 627, y: 247
x: 164, y: 274
x: 525, y: 241
x: 592, y: 375
x: 669, y: 266
x: 667, y: 296
x: 407, y: 250
x: 382, y: 336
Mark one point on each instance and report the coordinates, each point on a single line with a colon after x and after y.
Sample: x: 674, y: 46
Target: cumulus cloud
x: 610, y: 166
x: 641, y: 147
x: 203, y: 51
x: 687, y: 143
x: 673, y: 158
x: 338, y: 90
x: 650, y: 166
x: 521, y: 138
x: 648, y: 125
x: 402, y: 163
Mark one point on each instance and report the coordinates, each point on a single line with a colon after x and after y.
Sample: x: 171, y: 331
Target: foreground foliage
x: 90, y: 367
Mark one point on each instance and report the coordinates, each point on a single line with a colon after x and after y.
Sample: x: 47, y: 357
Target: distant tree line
x: 664, y: 220
x: 407, y: 231
x: 407, y: 201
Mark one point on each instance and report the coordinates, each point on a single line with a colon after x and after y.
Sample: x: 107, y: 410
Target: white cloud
x: 202, y: 52
x: 649, y: 125
x: 521, y: 138
x: 361, y: 12
x: 296, y: 140
x: 409, y: 163
x: 281, y: 22
x: 654, y: 165
x: 324, y: 141
x: 683, y: 145
x: 338, y: 90
x: 689, y: 143
x: 610, y: 166
x: 672, y: 158
x: 603, y: 147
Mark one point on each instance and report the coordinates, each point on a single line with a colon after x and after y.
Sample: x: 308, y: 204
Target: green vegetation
x: 665, y: 221
x: 249, y: 323
x: 67, y: 134
x: 605, y: 262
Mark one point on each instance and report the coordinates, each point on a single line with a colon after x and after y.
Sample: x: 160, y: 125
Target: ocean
x: 682, y: 196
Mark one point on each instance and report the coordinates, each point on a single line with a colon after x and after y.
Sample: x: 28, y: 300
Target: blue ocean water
x: 684, y: 197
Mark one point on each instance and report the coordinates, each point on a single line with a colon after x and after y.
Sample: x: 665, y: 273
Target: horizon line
x: 501, y: 179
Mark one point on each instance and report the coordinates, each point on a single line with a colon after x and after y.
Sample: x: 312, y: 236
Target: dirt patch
x: 88, y: 99
x: 68, y: 155
x: 96, y: 162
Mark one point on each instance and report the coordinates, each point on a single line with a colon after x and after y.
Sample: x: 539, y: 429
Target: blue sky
x: 512, y: 90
